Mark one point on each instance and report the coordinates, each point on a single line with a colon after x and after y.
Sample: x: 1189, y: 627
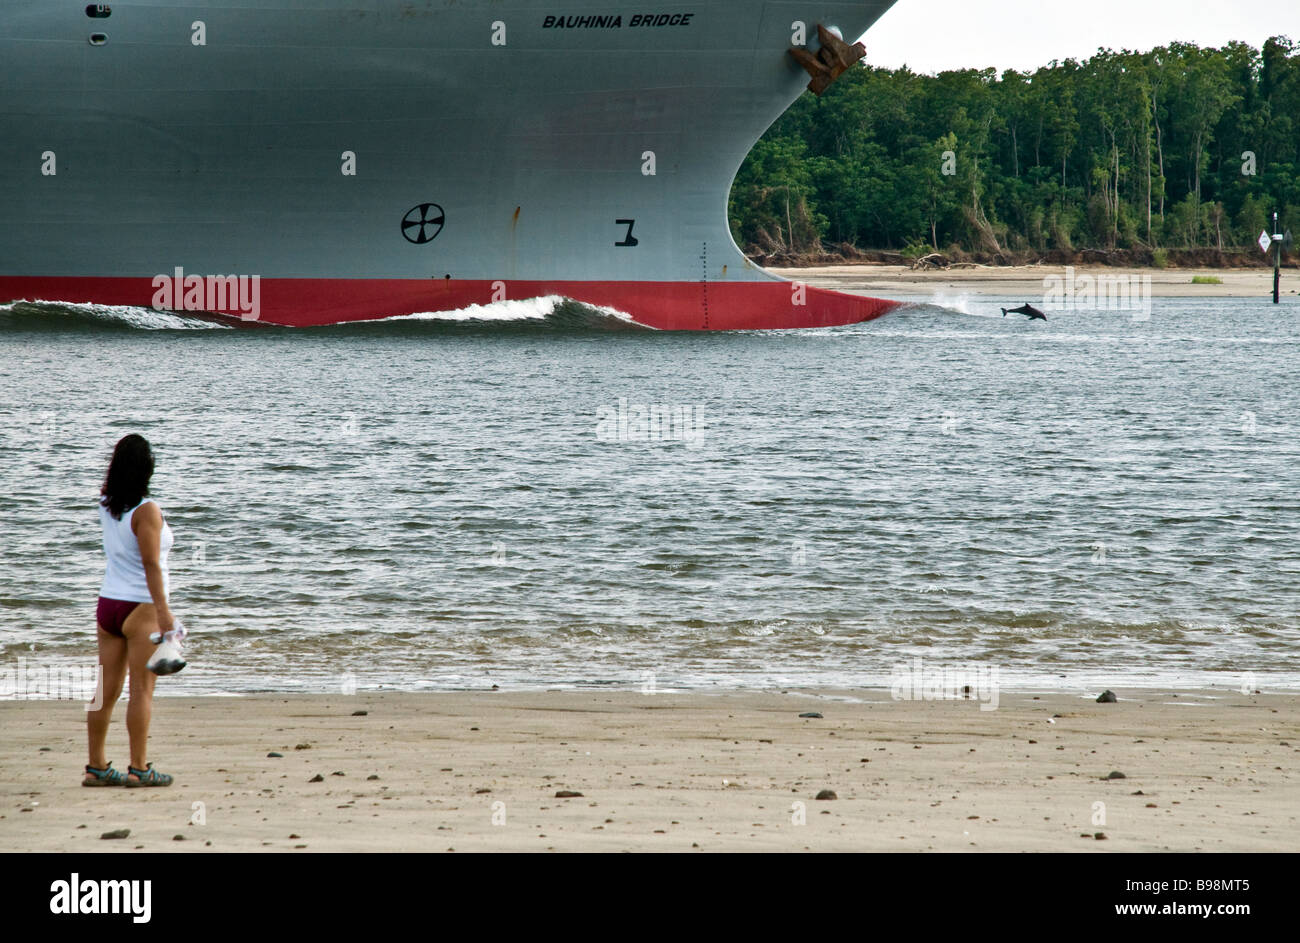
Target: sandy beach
x: 669, y: 772
x: 1027, y: 280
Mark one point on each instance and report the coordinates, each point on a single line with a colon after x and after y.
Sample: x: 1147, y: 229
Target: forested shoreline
x: 1177, y: 152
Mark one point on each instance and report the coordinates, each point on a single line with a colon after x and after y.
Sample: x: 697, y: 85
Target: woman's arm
x: 148, y: 524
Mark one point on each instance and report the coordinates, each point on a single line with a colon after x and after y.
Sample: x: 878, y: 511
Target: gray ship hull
x: 371, y: 159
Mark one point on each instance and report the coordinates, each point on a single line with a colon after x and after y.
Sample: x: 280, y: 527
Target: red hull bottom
x: 668, y: 306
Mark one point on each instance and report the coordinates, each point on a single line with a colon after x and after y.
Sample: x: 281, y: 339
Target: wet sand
x: 1026, y: 281
x: 669, y: 772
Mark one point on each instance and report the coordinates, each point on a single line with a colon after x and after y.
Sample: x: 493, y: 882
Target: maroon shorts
x: 112, y: 613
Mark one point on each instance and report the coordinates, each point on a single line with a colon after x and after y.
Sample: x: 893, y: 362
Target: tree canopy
x: 1179, y: 147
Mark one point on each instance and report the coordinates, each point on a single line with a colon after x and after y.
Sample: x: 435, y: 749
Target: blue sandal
x: 148, y: 777
x: 104, y: 777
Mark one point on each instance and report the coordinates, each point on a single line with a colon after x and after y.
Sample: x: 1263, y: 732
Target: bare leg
x: 139, y: 709
x: 112, y: 667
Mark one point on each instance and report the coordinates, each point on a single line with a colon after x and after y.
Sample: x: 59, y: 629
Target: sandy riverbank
x: 1026, y: 281
x: 669, y: 772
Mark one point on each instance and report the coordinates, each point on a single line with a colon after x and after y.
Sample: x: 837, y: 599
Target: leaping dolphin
x: 1028, y: 311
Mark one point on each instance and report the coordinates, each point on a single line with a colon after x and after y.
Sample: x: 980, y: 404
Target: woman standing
x: 132, y: 606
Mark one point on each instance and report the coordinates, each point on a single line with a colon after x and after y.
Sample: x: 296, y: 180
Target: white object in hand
x: 177, y: 634
x: 168, y: 658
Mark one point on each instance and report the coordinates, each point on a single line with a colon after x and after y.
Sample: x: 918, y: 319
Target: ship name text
x: 615, y: 21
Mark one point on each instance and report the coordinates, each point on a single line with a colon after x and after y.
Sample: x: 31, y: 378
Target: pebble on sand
x: 827, y: 794
x: 812, y: 714
x: 568, y: 794
x: 318, y: 778
x: 273, y: 754
x: 178, y: 837
x: 1115, y: 774
x: 117, y: 833
x: 360, y: 713
x: 1107, y: 697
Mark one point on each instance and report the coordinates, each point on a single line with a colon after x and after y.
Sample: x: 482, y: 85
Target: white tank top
x: 124, y: 578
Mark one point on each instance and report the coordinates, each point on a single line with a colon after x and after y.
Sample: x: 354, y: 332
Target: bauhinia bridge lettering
x: 615, y: 21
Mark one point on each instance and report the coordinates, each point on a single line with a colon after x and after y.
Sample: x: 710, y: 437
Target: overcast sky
x: 933, y: 35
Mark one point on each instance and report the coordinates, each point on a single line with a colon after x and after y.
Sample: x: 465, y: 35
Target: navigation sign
x: 1264, y: 241
x: 1279, y: 240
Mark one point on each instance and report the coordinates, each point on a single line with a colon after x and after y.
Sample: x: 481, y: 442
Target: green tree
x: 1122, y: 149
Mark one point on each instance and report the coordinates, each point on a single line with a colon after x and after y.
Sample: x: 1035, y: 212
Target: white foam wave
x: 524, y: 309
x: 527, y: 309
x: 958, y: 303
x: 619, y: 316
x: 147, y: 319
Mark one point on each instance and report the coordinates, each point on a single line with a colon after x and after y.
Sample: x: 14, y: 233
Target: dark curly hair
x: 129, y: 471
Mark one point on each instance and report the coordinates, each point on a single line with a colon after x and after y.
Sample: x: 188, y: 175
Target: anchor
x: 831, y: 61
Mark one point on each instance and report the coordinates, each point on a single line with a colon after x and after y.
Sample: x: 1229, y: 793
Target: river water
x: 457, y: 501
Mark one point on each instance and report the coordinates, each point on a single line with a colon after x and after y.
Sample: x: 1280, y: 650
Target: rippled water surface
x: 433, y: 503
